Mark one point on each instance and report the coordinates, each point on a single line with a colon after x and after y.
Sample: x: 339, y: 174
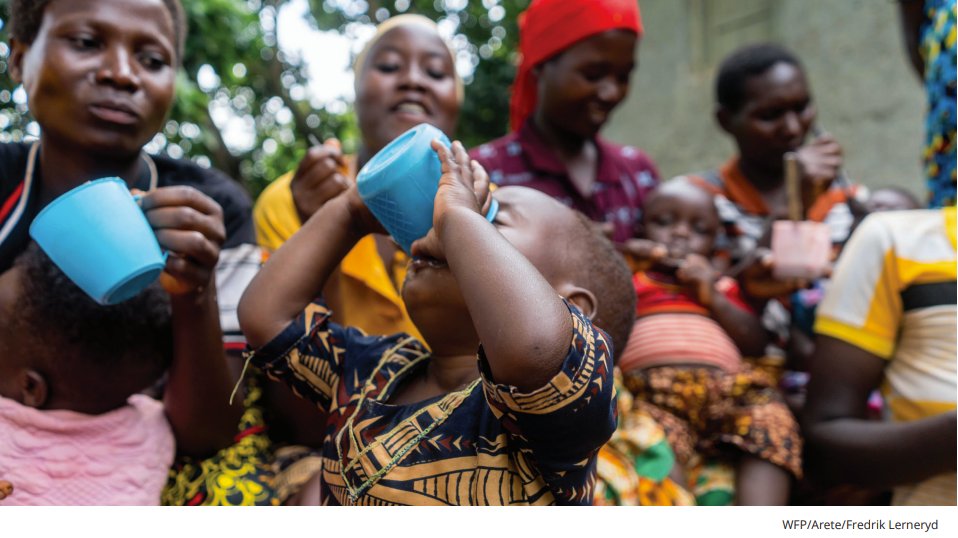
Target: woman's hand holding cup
x: 189, y: 225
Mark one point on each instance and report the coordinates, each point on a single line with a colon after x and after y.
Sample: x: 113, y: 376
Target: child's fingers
x: 428, y: 246
x: 480, y: 178
x: 445, y: 156
x: 480, y: 186
x: 459, y: 152
x: 455, y: 163
x: 462, y: 159
x: 452, y: 168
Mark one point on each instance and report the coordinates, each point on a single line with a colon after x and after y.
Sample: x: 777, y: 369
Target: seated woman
x: 577, y: 59
x: 764, y: 102
x: 97, y: 128
x: 99, y: 78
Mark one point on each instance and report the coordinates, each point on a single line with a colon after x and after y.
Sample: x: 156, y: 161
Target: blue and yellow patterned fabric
x: 486, y: 444
x: 937, y: 42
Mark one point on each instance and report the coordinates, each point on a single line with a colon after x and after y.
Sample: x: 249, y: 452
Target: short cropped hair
x: 601, y: 269
x: 27, y: 15
x: 746, y: 62
x: 86, y: 350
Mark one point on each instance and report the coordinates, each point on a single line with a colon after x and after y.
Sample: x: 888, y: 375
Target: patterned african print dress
x: 487, y: 444
x: 241, y: 474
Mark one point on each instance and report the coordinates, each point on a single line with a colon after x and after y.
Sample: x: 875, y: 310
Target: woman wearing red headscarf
x: 576, y: 60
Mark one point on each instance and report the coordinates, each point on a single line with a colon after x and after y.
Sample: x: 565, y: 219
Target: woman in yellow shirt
x: 404, y: 76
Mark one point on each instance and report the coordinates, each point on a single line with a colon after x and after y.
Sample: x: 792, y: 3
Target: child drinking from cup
x: 76, y: 431
x: 513, y: 396
x: 683, y: 363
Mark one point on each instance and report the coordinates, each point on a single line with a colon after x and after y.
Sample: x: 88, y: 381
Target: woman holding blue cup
x: 405, y: 76
x: 99, y: 78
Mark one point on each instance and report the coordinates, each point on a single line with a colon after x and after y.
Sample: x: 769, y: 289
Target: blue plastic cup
x: 99, y: 237
x: 399, y: 184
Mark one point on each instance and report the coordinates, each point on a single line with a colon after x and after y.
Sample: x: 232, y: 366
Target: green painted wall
x: 867, y: 94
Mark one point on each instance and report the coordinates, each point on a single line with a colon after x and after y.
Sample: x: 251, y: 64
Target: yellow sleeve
x: 274, y: 214
x: 862, y: 305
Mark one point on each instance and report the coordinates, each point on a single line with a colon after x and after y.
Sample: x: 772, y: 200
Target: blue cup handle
x: 493, y: 210
x: 166, y: 254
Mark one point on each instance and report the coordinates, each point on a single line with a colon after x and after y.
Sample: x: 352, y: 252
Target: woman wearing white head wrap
x: 405, y: 75
x: 407, y: 20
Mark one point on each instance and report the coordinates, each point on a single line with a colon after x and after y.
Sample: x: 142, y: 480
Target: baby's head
x: 577, y: 260
x: 891, y: 199
x: 682, y: 216
x: 62, y: 350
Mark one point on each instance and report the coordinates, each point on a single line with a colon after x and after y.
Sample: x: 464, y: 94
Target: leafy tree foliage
x: 241, y: 102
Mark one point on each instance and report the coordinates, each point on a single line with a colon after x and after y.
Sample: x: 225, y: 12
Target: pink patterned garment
x: 66, y: 458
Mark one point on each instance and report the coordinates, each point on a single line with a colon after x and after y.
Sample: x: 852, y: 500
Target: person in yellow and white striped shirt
x: 888, y: 321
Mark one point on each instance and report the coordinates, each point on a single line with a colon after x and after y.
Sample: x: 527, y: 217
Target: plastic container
x: 801, y: 249
x: 399, y: 184
x: 99, y: 237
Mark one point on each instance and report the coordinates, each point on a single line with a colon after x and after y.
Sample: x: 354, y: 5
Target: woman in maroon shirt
x: 577, y: 58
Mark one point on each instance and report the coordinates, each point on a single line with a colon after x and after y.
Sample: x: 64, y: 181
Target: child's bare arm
x: 296, y: 273
x: 190, y: 226
x: 742, y: 326
x: 524, y: 326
